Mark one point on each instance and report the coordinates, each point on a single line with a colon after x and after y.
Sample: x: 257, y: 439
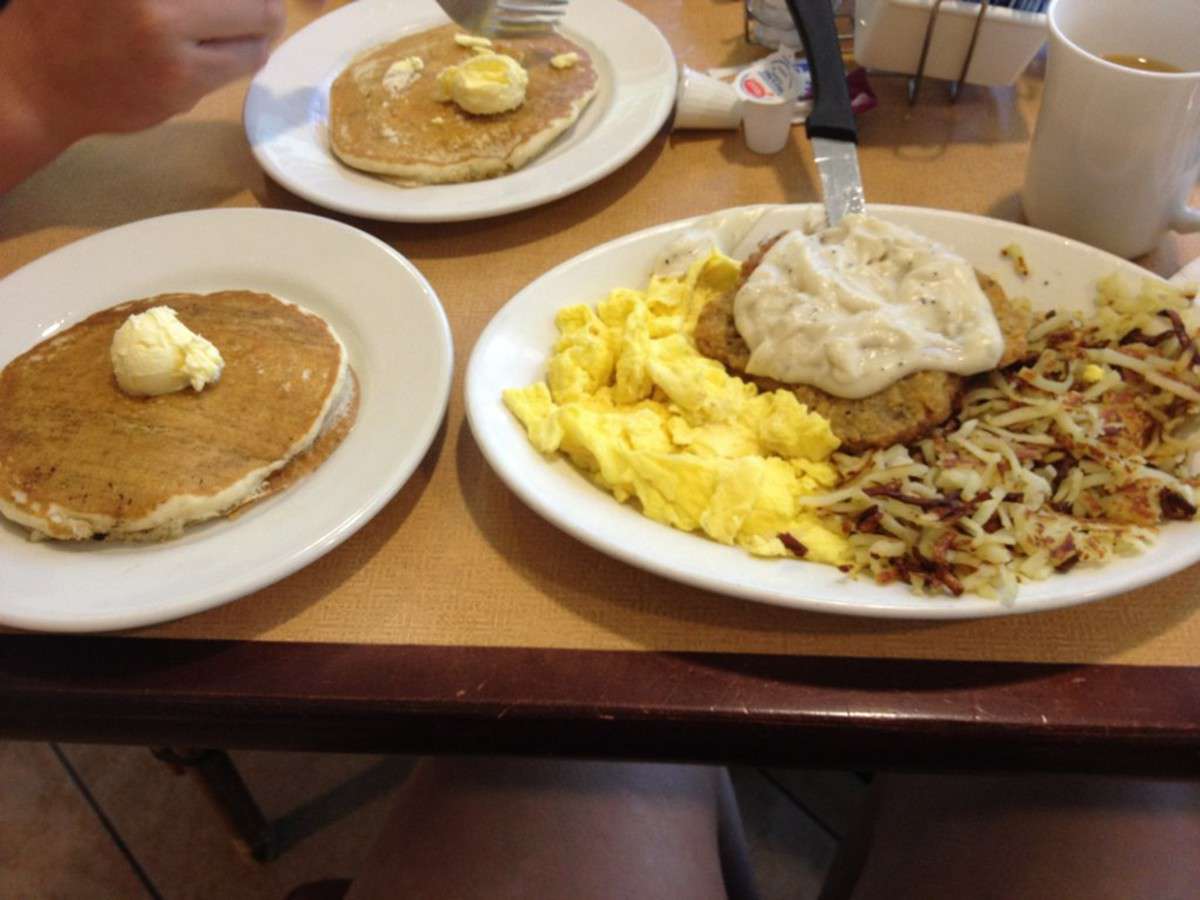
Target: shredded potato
x: 1073, y: 455
x: 1017, y: 256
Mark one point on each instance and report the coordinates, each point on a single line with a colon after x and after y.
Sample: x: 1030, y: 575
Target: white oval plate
x: 513, y: 349
x: 287, y: 113
x: 399, y: 344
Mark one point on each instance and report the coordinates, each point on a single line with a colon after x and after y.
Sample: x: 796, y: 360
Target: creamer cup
x: 768, y: 93
x: 705, y: 102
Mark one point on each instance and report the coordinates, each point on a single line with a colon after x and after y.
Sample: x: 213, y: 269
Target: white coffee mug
x: 1116, y: 150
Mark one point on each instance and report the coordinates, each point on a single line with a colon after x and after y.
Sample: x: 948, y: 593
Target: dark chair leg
x: 228, y: 792
x: 852, y: 851
x: 736, y: 871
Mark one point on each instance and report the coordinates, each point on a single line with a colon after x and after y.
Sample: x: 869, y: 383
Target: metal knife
x: 830, y: 126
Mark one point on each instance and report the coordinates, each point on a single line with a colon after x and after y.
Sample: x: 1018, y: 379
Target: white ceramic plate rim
x: 366, y: 289
x: 513, y: 349
x: 285, y: 113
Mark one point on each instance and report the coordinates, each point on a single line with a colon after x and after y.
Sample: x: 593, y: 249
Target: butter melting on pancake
x: 403, y: 128
x: 80, y: 458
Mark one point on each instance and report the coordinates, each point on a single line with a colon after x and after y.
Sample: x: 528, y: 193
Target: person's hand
x: 87, y: 66
x: 71, y: 68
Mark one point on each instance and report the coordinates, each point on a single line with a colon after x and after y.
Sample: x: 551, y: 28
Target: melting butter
x: 484, y: 85
x: 402, y: 73
x: 154, y: 353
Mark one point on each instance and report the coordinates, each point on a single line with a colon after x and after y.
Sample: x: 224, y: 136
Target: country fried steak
x: 903, y: 412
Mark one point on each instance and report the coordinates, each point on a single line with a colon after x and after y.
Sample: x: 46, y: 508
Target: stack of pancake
x: 417, y: 137
x: 81, y: 459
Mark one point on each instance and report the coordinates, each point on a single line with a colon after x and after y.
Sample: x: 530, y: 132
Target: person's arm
x: 70, y: 68
x: 24, y: 145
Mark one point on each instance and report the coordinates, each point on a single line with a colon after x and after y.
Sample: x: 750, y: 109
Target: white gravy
x: 854, y: 307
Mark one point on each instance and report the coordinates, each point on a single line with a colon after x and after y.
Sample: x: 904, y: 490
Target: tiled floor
x: 57, y: 844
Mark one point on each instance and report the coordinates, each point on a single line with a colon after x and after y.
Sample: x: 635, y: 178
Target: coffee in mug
x: 1116, y: 149
x: 1146, y: 63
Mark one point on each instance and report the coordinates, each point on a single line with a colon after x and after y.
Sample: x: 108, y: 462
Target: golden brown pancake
x: 334, y: 429
x: 412, y: 135
x: 901, y: 413
x: 80, y: 458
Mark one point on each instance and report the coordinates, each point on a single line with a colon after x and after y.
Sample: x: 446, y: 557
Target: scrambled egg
x: 635, y: 407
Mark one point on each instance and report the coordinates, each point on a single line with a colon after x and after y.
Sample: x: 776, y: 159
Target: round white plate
x: 1189, y: 274
x: 399, y: 344
x: 287, y: 113
x: 513, y: 350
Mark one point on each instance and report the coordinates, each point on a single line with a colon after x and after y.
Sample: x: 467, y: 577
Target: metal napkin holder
x: 914, y: 82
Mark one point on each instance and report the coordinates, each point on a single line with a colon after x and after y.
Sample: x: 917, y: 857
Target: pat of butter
x: 402, y: 73
x: 485, y: 85
x: 470, y: 40
x: 154, y: 353
x: 564, y: 60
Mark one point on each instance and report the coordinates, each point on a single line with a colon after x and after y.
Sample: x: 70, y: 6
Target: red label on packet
x: 754, y: 87
x: 770, y: 79
x: 775, y: 78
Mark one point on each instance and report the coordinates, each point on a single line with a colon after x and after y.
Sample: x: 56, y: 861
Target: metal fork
x: 505, y: 18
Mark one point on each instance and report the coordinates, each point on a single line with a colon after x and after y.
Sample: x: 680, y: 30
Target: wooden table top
x: 457, y: 620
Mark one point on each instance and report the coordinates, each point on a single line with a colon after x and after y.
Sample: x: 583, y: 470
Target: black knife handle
x: 831, y: 115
